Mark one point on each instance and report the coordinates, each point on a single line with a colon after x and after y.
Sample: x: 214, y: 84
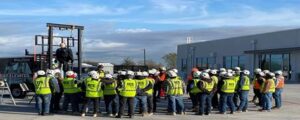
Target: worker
x: 93, y: 91
x: 243, y: 91
x: 190, y: 85
x: 236, y: 78
x: 71, y: 90
x: 267, y: 89
x: 128, y: 89
x: 43, y: 86
x: 155, y: 92
x: 207, y: 87
x: 111, y: 98
x: 256, y: 86
x: 162, y: 77
x: 195, y: 91
x: 175, y: 90
x: 64, y: 56
x: 279, y: 84
x: 215, y: 79
x: 150, y: 79
x: 226, y: 94
x: 100, y: 71
x: 141, y: 97
x: 55, y: 97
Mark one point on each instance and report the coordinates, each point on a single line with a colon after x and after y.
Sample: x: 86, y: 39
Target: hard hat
x: 69, y: 73
x: 228, y: 75
x: 261, y: 74
x: 266, y: 71
x: 246, y: 72
x: 175, y: 70
x: 145, y: 74
x: 207, y: 70
x: 115, y: 75
x: 172, y: 73
x: 237, y: 69
x: 271, y: 74
x: 50, y: 72
x: 222, y: 74
x: 197, y: 74
x: 138, y: 74
x: 123, y: 73
x: 222, y: 70
x: 41, y: 72
x: 56, y: 71
x: 154, y: 70
x: 229, y: 70
x: 151, y: 72
x: 157, y: 73
x: 129, y: 72
x: 93, y: 72
x: 205, y: 75
x: 95, y: 76
x: 100, y: 65
x: 257, y: 70
x: 163, y: 68
x: 108, y: 76
x: 214, y: 72
x: 195, y: 69
x: 278, y: 72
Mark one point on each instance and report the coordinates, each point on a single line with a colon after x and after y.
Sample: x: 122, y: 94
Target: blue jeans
x: 43, y: 103
x: 243, y: 100
x: 111, y: 104
x: 204, y: 103
x: 224, y: 99
x: 277, y: 97
x: 267, y: 101
x: 175, y: 104
x: 143, y: 101
x: 73, y: 99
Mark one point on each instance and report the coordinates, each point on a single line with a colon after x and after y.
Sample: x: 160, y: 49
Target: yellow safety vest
x: 42, y: 86
x: 195, y: 89
x: 236, y: 79
x: 175, y: 87
x: 93, y: 88
x: 142, y: 83
x: 110, y: 89
x: 272, y: 86
x: 69, y: 86
x: 208, y: 86
x: 228, y: 86
x: 129, y: 88
x: 246, y: 85
x: 101, y: 74
x: 152, y: 81
x: 215, y: 79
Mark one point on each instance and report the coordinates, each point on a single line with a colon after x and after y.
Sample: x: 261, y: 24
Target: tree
x: 170, y: 60
x: 128, y: 62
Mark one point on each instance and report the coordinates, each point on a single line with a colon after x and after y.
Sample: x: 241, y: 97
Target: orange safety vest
x: 256, y: 85
x: 280, y: 82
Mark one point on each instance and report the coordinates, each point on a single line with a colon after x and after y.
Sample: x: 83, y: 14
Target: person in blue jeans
x: 227, y: 87
x: 279, y: 83
x: 141, y: 97
x: 207, y: 88
x: 268, y: 88
x: 243, y: 91
x: 111, y: 97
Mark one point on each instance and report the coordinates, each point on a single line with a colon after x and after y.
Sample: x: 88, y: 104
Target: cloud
x: 100, y: 45
x: 69, y: 10
x: 136, y: 30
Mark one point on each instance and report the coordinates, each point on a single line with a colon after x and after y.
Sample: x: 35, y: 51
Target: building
x: 274, y: 51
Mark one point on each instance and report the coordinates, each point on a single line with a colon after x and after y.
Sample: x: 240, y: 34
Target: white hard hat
x: 237, y: 69
x: 207, y: 70
x: 228, y: 74
x: 95, y: 76
x: 222, y: 70
x: 205, y: 75
x: 222, y: 74
x: 175, y: 70
x: 69, y: 73
x: 214, y: 72
x: 93, y: 72
x: 266, y: 71
x: 271, y: 74
x: 115, y: 75
x: 246, y: 72
x: 122, y: 72
x: 50, y: 72
x: 108, y: 76
x: 129, y: 72
x: 257, y: 70
x: 197, y: 74
x: 138, y: 74
x: 172, y: 73
x: 41, y: 72
x: 229, y: 70
x: 163, y: 68
x: 145, y: 74
x: 56, y: 71
x: 261, y: 74
x: 152, y: 72
x: 278, y: 72
x: 157, y: 73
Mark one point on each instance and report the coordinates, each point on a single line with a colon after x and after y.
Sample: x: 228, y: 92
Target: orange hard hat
x: 195, y: 69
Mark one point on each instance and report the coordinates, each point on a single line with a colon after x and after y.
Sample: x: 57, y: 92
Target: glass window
x: 265, y: 62
x: 204, y: 63
x: 227, y: 62
x: 276, y: 62
x: 183, y: 64
x: 211, y: 61
x: 242, y: 62
x: 235, y: 61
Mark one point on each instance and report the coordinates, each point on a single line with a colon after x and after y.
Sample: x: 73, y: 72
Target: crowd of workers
x: 222, y: 90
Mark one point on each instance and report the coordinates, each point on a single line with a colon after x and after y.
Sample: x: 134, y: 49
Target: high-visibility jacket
x: 215, y: 79
x: 175, y: 87
x: 246, y: 85
x: 129, y: 88
x: 237, y: 80
x: 70, y: 86
x: 42, y: 86
x: 228, y: 86
x: 110, y: 89
x: 152, y: 81
x: 280, y: 82
x: 272, y: 86
x: 256, y: 85
x: 208, y: 86
x: 195, y: 89
x: 93, y: 88
x: 101, y: 74
x: 142, y: 83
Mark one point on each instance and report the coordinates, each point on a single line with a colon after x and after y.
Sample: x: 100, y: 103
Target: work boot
x: 83, y: 114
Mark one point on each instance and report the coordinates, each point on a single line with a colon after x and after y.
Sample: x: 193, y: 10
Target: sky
x: 115, y: 29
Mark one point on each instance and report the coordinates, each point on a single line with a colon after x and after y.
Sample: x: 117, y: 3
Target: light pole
x: 144, y: 56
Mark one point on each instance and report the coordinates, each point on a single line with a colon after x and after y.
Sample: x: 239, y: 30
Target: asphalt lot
x: 289, y: 111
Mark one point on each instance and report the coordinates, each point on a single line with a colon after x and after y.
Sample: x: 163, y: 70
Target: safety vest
x: 129, y: 88
x: 272, y: 86
x: 195, y: 89
x: 280, y: 81
x: 42, y: 86
x: 246, y: 86
x: 69, y: 86
x: 236, y: 79
x: 110, y: 89
x: 256, y: 85
x: 152, y: 81
x: 142, y: 83
x: 215, y: 79
x: 101, y: 74
x: 228, y: 86
x: 175, y: 87
x: 208, y: 86
x: 93, y: 88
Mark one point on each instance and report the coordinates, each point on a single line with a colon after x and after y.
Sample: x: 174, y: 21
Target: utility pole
x: 144, y: 56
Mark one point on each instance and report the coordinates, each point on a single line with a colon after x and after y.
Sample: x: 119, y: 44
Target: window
x: 242, y: 62
x: 233, y: 61
x: 183, y: 64
x: 276, y: 62
x: 211, y: 61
